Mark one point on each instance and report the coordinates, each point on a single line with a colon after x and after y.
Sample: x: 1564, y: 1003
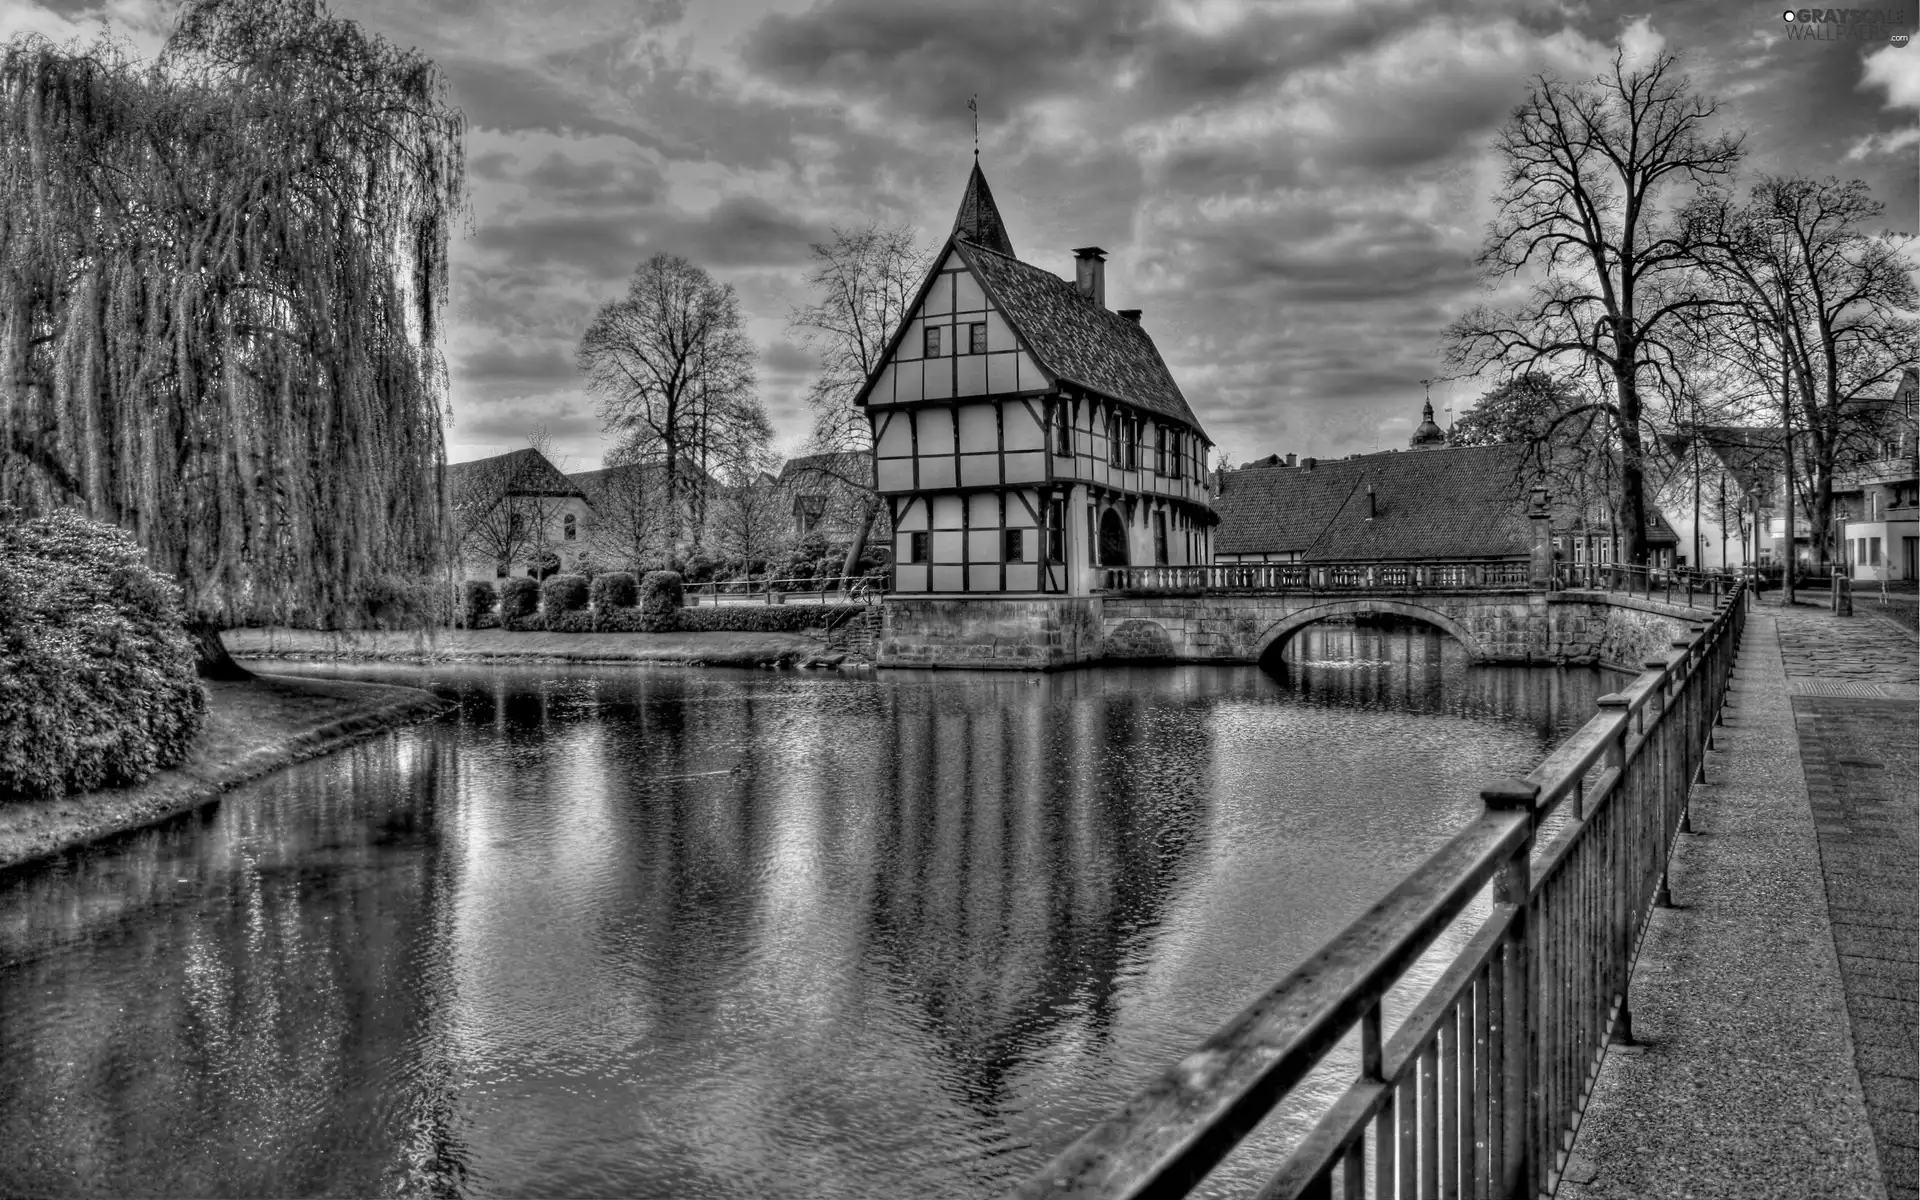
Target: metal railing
x: 1478, y: 1091
x: 1672, y: 585
x: 1492, y: 573
x: 866, y: 589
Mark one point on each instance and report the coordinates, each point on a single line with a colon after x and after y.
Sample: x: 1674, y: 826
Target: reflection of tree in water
x: 1409, y: 666
x: 216, y: 1033
x: 1034, y: 840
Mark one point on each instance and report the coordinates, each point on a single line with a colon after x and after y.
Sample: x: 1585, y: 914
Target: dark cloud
x: 500, y: 366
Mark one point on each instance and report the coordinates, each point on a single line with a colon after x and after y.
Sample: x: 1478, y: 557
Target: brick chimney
x: 1131, y: 314
x: 1090, y: 273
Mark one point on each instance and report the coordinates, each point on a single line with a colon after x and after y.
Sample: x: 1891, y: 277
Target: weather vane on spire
x: 973, y: 106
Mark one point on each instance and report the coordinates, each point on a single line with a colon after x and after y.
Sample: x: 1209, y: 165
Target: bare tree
x: 505, y: 509
x: 1586, y: 165
x: 222, y: 303
x: 863, y: 283
x: 674, y: 373
x: 1798, y: 260
x: 746, y: 516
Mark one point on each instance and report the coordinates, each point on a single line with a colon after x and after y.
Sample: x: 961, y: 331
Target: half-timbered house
x: 1025, y: 434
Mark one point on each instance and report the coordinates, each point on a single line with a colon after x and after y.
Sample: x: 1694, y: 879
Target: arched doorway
x: 1113, y: 540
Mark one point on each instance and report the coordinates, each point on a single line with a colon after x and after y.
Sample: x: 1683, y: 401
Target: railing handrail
x: 1626, y: 772
x: 1384, y: 575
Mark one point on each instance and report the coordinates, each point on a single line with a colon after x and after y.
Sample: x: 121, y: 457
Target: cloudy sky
x: 1293, y: 191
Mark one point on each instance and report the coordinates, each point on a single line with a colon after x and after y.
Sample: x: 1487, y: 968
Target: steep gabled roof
x: 841, y: 467
x: 594, y: 484
x: 1447, y: 503
x: 979, y: 219
x: 519, y: 473
x: 1076, y: 340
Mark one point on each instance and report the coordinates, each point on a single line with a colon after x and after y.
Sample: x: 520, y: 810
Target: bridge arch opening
x: 1273, y: 641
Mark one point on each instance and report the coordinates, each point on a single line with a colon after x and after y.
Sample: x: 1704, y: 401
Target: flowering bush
x: 99, y: 685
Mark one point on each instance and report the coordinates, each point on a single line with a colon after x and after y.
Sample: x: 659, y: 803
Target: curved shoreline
x: 492, y: 645
x: 308, y: 718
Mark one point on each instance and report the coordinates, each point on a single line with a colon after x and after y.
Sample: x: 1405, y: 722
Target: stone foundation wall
x: 1019, y: 635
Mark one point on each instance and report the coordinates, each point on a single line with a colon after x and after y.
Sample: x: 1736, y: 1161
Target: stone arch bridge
x: 1494, y: 609
x: 1499, y: 610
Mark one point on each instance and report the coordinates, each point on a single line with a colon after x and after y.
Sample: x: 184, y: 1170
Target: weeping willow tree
x: 222, y: 275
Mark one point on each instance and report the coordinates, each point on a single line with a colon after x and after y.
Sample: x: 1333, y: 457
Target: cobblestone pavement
x: 1859, y: 756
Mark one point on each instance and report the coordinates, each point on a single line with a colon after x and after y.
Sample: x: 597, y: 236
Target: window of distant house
x: 1056, y: 531
x: 977, y: 338
x: 1159, y: 539
x: 1174, y: 450
x: 1014, y: 544
x: 1133, y: 444
x: 1116, y: 455
x: 807, y: 512
x: 919, y: 546
x: 1062, y: 431
x: 933, y: 341
x: 569, y: 527
x: 1873, y: 552
x: 1160, y: 450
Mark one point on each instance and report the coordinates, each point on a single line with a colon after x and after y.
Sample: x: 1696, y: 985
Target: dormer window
x: 933, y: 341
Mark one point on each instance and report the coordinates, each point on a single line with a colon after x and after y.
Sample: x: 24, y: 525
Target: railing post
x: 1518, y: 1135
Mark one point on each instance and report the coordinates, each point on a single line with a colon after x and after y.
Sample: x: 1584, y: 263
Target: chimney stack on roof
x: 1290, y: 461
x: 1090, y: 273
x: 1131, y: 314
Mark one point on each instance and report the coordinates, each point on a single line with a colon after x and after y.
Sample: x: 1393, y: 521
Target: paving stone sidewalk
x: 1744, y: 1082
x: 1859, y: 755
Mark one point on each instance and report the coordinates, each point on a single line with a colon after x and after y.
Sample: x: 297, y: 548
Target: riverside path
x: 1774, y: 1005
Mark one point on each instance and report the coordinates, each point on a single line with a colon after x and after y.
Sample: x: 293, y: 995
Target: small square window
x: 919, y: 546
x: 933, y: 341
x: 977, y: 338
x: 1016, y: 545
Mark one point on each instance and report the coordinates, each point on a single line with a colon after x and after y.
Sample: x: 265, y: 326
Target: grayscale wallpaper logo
x: 1892, y: 25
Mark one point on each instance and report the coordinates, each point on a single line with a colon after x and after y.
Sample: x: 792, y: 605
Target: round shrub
x: 661, y: 596
x: 519, y: 597
x: 477, y: 600
x: 99, y: 685
x: 615, y: 589
x: 563, y: 594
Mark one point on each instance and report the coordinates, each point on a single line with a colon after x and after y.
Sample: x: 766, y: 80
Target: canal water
x: 667, y: 932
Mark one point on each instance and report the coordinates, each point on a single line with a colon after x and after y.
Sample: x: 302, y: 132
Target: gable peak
x: 979, y: 220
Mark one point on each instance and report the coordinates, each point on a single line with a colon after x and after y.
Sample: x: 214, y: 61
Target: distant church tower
x: 1429, y: 435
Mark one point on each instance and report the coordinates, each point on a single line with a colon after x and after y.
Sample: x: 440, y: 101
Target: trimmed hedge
x: 563, y: 594
x: 615, y: 589
x: 99, y: 682
x: 761, y: 618
x: 619, y: 620
x: 477, y: 601
x: 519, y: 599
x: 661, y: 598
x: 579, y: 620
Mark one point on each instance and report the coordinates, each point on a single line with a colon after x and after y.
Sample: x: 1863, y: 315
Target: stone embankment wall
x: 1020, y: 635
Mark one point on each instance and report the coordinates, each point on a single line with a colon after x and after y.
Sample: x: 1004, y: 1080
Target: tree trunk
x: 871, y: 509
x: 211, y: 654
x: 1633, y: 502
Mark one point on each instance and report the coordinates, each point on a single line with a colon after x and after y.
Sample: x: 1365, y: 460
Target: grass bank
x: 496, y: 645
x: 253, y: 727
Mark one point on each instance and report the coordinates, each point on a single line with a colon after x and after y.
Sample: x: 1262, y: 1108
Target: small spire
x: 979, y: 219
x: 973, y: 106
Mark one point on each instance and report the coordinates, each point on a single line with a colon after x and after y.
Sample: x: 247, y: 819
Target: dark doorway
x: 1113, y: 540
